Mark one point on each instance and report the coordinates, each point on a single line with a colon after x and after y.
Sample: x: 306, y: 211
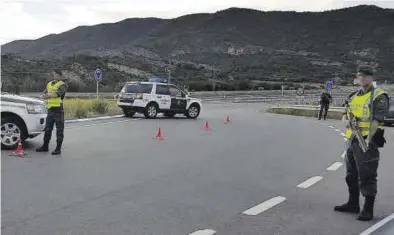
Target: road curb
x: 92, y: 119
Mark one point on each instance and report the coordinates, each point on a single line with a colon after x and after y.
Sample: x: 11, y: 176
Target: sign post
x: 98, y: 75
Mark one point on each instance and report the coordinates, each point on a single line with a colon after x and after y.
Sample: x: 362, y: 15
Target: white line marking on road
x: 264, y: 206
x: 204, y: 232
x: 378, y: 225
x: 345, y: 139
x: 331, y: 127
x: 335, y: 166
x: 342, y: 134
x: 309, y: 182
x: 343, y: 154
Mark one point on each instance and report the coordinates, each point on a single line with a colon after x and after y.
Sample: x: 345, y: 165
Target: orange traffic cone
x: 159, y: 135
x: 228, y: 120
x: 206, y: 127
x: 19, y: 151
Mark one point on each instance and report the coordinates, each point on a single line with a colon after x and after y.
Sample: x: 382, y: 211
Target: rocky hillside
x: 234, y: 47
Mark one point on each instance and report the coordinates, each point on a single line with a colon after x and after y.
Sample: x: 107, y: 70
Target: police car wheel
x: 11, y: 130
x: 193, y: 111
x: 150, y: 111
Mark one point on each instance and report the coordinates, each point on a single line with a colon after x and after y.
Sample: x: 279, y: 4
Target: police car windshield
x: 137, y: 88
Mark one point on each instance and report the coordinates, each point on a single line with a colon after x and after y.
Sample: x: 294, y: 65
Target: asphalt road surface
x: 261, y: 174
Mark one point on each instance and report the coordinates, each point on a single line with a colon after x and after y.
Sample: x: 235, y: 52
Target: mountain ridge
x: 233, y: 44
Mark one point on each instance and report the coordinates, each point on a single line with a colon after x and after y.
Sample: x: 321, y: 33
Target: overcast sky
x: 31, y: 19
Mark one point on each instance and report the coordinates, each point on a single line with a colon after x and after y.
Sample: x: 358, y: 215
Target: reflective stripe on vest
x: 57, y: 101
x: 360, y: 108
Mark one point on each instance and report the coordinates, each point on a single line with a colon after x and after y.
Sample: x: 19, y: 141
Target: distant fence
x: 212, y: 95
x: 274, y: 98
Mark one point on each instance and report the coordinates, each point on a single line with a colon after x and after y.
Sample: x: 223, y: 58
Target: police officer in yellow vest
x: 361, y: 168
x: 54, y: 94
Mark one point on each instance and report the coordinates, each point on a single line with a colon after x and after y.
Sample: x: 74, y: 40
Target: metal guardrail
x: 312, y: 107
x: 274, y: 98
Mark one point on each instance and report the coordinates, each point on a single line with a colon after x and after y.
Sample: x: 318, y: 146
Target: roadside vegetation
x: 87, y: 108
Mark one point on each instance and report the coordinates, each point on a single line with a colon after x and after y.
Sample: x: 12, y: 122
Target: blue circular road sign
x: 98, y: 74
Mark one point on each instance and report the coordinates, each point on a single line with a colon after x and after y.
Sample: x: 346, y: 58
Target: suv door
x: 178, y: 99
x: 163, y: 96
x: 130, y: 90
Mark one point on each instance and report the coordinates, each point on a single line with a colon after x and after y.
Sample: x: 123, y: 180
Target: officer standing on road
x: 361, y: 168
x: 54, y: 94
x: 325, y: 100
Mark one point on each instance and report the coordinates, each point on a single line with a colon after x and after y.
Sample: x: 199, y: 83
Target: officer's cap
x: 366, y: 70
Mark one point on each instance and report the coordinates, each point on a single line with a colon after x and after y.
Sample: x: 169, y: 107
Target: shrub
x: 100, y: 107
x: 81, y: 113
x: 86, y: 108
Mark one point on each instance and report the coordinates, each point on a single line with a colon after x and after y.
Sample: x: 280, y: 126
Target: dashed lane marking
x: 337, y: 130
x: 264, y: 206
x: 204, y: 232
x: 343, y: 154
x: 345, y: 139
x: 378, y: 225
x: 309, y: 182
x: 331, y: 127
x: 335, y: 166
x: 342, y: 134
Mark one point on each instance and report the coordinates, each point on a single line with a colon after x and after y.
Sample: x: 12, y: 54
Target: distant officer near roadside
x: 54, y: 94
x: 361, y: 168
x: 324, y: 101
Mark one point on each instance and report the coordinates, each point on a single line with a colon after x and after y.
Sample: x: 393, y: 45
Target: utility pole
x: 213, y: 78
x: 169, y: 75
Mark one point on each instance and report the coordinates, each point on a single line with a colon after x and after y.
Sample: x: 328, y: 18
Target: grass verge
x: 304, y: 112
x: 84, y: 108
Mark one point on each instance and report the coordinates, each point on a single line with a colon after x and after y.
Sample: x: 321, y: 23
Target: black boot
x: 47, y: 138
x: 367, y: 212
x: 58, y: 147
x: 57, y: 151
x: 352, y: 206
x: 43, y: 148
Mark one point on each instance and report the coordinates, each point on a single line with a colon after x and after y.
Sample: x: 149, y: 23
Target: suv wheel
x: 193, y: 111
x: 128, y: 113
x: 151, y: 110
x: 11, y: 131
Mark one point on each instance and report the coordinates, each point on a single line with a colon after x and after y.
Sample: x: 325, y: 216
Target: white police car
x: 21, y: 117
x: 156, y: 96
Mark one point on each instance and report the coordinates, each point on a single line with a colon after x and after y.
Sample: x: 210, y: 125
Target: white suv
x: 20, y: 117
x: 151, y: 98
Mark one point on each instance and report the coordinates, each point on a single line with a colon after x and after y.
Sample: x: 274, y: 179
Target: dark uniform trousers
x: 361, y: 169
x: 323, y: 107
x: 55, y: 116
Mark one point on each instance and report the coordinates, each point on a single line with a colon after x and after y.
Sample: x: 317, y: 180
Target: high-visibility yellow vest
x: 57, y: 101
x: 359, y: 105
